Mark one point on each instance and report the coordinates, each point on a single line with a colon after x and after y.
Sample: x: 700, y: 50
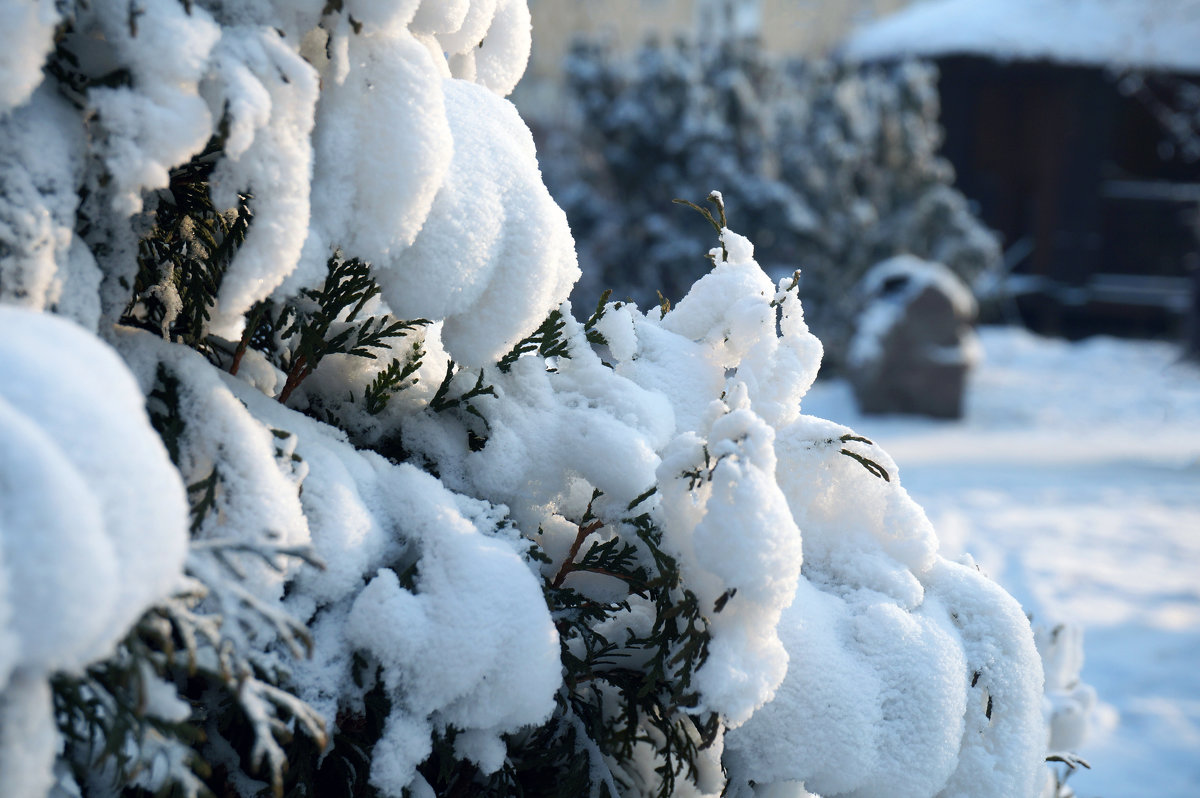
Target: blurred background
x: 994, y: 210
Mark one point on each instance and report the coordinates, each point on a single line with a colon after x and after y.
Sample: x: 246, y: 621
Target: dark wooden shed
x: 1052, y: 113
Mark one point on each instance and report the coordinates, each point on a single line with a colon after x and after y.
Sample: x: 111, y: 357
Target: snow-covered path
x: 1074, y: 481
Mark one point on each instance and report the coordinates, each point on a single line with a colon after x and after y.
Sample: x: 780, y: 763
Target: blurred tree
x: 829, y: 168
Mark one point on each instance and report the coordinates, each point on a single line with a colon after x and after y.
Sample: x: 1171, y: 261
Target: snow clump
x: 93, y: 523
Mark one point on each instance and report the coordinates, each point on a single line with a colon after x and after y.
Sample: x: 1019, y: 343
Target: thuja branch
x: 325, y: 321
x: 298, y: 373
x: 719, y: 222
x: 873, y: 467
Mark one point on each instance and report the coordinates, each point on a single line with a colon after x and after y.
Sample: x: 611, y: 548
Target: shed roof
x: 1146, y: 34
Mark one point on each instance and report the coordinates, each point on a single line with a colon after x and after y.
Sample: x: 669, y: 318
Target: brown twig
x: 244, y: 343
x: 569, y: 563
x: 240, y: 352
x: 298, y: 373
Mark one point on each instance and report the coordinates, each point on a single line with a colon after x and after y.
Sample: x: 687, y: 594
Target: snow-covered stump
x: 913, y: 344
x: 331, y: 493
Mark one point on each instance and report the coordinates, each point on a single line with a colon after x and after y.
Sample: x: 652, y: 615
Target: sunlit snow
x: 1074, y: 480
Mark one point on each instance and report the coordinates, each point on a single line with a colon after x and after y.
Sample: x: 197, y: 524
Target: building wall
x: 789, y: 27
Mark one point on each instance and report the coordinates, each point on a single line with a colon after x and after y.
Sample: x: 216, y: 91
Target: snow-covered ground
x: 1074, y: 480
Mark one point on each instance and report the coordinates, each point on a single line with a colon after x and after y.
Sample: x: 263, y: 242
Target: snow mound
x: 495, y: 254
x: 31, y: 26
x: 93, y: 522
x: 905, y: 674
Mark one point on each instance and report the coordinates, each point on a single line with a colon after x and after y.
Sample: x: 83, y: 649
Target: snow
x: 39, y: 155
x: 792, y: 536
x: 28, y: 738
x: 1072, y: 479
x: 32, y: 29
x: 756, y: 569
x: 480, y: 660
x: 160, y: 120
x: 93, y: 524
x: 501, y: 57
x: 1146, y: 34
x: 110, y: 461
x: 495, y: 254
x: 268, y: 93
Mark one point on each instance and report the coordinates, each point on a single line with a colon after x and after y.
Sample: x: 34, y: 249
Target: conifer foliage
x: 323, y: 489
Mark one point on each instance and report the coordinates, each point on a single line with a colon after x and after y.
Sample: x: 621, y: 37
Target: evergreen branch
x: 328, y: 324
x: 1071, y: 760
x: 440, y: 403
x: 267, y: 552
x: 252, y: 322
x: 642, y: 497
x: 392, y: 380
x: 719, y: 223
x: 546, y: 340
x: 599, y: 312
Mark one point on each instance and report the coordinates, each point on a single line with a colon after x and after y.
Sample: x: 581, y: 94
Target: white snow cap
x: 44, y: 265
x: 93, y: 524
x: 29, y: 36
x: 269, y: 94
x: 94, y: 515
x: 495, y: 255
x: 1149, y: 34
x: 485, y: 661
x: 910, y: 676
x: 382, y: 147
x: 159, y: 121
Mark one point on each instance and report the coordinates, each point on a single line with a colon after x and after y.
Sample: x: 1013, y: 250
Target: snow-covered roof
x: 1149, y: 34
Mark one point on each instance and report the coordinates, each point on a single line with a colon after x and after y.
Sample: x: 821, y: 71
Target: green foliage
x: 104, y: 715
x: 392, y: 380
x: 182, y: 260
x: 873, y: 468
x: 625, y: 686
x: 589, y: 327
x: 342, y: 770
x: 323, y: 322
x: 547, y: 341
x: 716, y: 199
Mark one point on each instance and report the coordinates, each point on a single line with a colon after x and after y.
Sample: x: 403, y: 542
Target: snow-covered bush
x: 831, y: 168
x: 314, y: 485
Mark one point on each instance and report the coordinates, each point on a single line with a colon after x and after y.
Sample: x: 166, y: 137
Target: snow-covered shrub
x: 314, y: 485
x: 831, y: 168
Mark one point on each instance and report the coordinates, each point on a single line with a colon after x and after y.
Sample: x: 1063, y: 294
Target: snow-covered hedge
x: 311, y: 482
